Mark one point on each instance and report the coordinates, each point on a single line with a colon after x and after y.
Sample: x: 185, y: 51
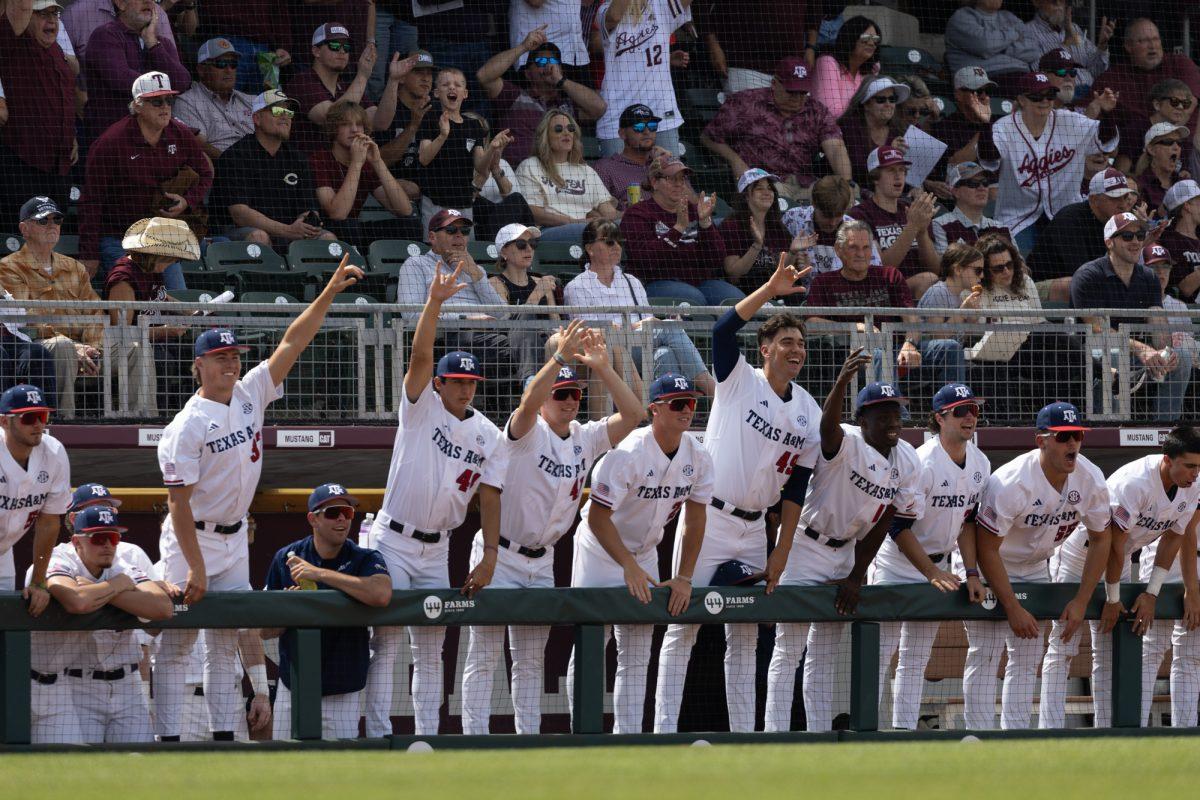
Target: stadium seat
x: 553, y: 257
x: 192, y: 295
x: 591, y: 148
x: 704, y: 102
x: 484, y: 253
x: 668, y: 301
x: 385, y: 257
x: 279, y: 298
x: 68, y: 245
x: 946, y: 106
x: 247, y: 265
x: 564, y: 272
x: 313, y: 260
x: 1001, y: 107
x: 10, y: 243
x: 900, y: 61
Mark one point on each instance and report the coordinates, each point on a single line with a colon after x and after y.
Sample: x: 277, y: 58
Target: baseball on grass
x: 420, y: 747
x: 971, y: 739
x: 701, y: 743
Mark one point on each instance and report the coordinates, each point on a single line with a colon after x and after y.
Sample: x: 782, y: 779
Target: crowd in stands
x: 360, y: 120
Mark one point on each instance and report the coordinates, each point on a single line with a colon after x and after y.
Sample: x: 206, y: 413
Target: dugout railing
x: 305, y: 614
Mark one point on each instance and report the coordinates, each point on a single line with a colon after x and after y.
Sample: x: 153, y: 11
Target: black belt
x: 408, y: 530
x: 749, y: 516
x: 42, y: 678
x: 225, y: 529
x: 816, y: 537
x: 528, y: 552
x: 98, y: 675
x: 938, y: 558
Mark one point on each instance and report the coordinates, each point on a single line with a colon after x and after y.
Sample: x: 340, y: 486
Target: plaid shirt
x: 67, y: 280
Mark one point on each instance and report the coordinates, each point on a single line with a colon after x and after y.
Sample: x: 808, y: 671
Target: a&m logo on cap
x: 800, y: 71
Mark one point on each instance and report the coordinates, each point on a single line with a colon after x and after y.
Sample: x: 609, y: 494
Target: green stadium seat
x: 591, y: 148
x: 192, y: 295
x: 312, y: 260
x: 385, y: 257
x: 484, y: 253
x: 68, y: 245
x: 564, y: 272
x: 1001, y: 107
x: 946, y: 105
x: 10, y: 243
x: 247, y: 265
x: 901, y: 61
x: 553, y: 257
x: 668, y: 301
x: 278, y: 298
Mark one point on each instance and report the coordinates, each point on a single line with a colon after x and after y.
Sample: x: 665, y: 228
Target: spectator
x: 754, y: 233
x: 351, y: 169
x: 264, y: 189
x: 857, y: 283
x: 1171, y: 101
x: 1076, y: 234
x: 153, y: 245
x: 327, y: 559
x: 838, y: 74
x: 81, y: 18
x: 1063, y: 73
x: 831, y: 199
x: 902, y: 228
x: 395, y: 32
x: 513, y: 281
x: 1181, y: 239
x: 1038, y: 182
x: 624, y: 173
x: 541, y: 86
x: 866, y: 125
x: 967, y: 131
x: 962, y: 270
x: 1157, y: 258
x: 497, y: 201
x: 354, y: 15
x: 317, y: 89
x: 920, y: 109
x: 563, y: 191
x: 636, y: 35
x: 556, y: 21
x: 23, y: 360
x: 1118, y: 280
x: 253, y: 27
x: 982, y: 35
x: 780, y: 129
x: 740, y: 54
x: 144, y: 164
x: 970, y: 184
x: 218, y: 113
x: 414, y: 97
x: 462, y: 38
x: 1052, y: 29
x: 36, y: 272
x: 1146, y: 66
x: 1161, y: 163
x: 673, y: 244
x: 120, y: 51
x: 38, y: 142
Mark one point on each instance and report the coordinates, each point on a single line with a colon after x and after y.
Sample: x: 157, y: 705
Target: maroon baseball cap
x: 1058, y: 58
x: 794, y: 74
x: 882, y: 157
x: 446, y: 217
x: 1156, y: 254
x: 1033, y: 83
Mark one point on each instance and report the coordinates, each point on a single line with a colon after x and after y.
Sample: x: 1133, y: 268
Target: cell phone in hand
x: 312, y: 218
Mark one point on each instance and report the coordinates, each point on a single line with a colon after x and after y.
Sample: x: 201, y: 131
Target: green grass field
x: 1014, y: 770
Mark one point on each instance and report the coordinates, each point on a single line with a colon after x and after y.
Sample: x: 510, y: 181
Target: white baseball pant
x: 986, y: 642
x: 339, y: 715
x: 412, y: 565
x: 810, y: 563
x: 726, y: 538
x: 8, y: 572
x: 914, y: 641
x: 527, y: 644
x: 1185, y: 676
x: 111, y: 711
x: 53, y: 719
x: 1155, y: 644
x: 591, y: 568
x: 227, y: 563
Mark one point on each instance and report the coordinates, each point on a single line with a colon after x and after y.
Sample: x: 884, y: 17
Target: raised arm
x: 420, y: 359
x: 491, y: 74
x: 630, y: 411
x: 570, y: 346
x: 302, y: 330
x: 831, y: 412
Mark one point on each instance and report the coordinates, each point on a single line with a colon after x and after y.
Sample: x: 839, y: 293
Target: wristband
x: 1112, y: 592
x: 560, y: 83
x: 559, y: 358
x: 684, y: 578
x: 972, y: 573
x: 1157, y: 577
x: 258, y: 678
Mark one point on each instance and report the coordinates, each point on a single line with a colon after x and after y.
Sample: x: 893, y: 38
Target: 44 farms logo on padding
x: 715, y: 602
x: 435, y: 606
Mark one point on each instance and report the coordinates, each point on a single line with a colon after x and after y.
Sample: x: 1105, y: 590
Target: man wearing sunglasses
x: 101, y: 669
x: 218, y: 112
x: 443, y: 454
x: 1028, y: 508
x: 657, y: 473
x: 970, y: 183
x: 546, y: 456
x: 1063, y: 73
x: 1120, y: 280
x: 541, y: 86
x: 1052, y: 29
x: 327, y: 559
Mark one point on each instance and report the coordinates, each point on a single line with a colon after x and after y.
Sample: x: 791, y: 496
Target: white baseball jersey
x: 44, y: 484
x: 637, y: 65
x: 218, y: 448
x: 1141, y: 507
x: 849, y: 492
x: 951, y: 494
x: 1034, y: 518
x: 646, y: 489
x: 543, y: 475
x: 437, y: 462
x: 564, y: 27
x: 756, y: 438
x: 1041, y: 176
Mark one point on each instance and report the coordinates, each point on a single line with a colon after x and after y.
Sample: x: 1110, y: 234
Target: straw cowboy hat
x: 161, y: 236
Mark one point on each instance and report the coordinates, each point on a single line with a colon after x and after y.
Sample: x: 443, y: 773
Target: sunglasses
x: 53, y: 219
x: 224, y: 63
x: 337, y: 512
x: 1177, y: 102
x: 1065, y: 73
x: 1129, y: 236
x: 679, y: 404
x: 966, y: 409
x: 46, y: 13
x: 982, y: 91
x: 562, y: 128
x: 282, y: 112
x: 545, y: 61
x: 642, y: 127
x: 457, y: 230
x: 996, y: 269
x: 919, y: 112
x: 101, y: 538
x: 567, y: 393
x: 31, y: 418
x: 870, y: 38
x: 884, y: 99
x: 975, y: 270
x: 338, y: 47
x: 1169, y: 142
x: 159, y: 102
x: 1039, y: 97
x: 1062, y: 437
x: 973, y: 183
x: 524, y: 244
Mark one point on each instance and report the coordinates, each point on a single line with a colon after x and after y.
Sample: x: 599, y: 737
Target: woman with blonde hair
x: 563, y: 192
x: 1161, y: 163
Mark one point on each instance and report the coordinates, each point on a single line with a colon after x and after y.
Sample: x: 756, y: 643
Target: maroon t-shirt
x: 887, y: 227
x: 40, y: 90
x: 328, y: 171
x: 882, y: 287
x: 1185, y: 252
x: 735, y: 231
x: 307, y: 90
x: 146, y: 285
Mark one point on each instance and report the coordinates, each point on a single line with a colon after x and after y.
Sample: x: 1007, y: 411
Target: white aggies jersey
x: 543, y: 476
x: 43, y: 485
x: 1034, y: 518
x: 850, y: 492
x: 637, y: 65
x: 437, y: 462
x: 218, y: 448
x: 756, y: 439
x: 951, y: 496
x: 645, y: 489
x: 1141, y: 507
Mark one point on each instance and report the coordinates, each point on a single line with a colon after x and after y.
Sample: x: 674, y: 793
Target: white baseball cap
x: 1180, y: 193
x: 215, y: 48
x: 1109, y: 181
x: 1160, y: 129
x: 328, y: 31
x: 880, y: 85
x: 515, y: 230
x: 152, y: 84
x: 753, y: 176
x: 973, y: 78
x: 1119, y: 222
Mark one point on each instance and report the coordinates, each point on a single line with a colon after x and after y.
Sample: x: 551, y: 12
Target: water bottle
x: 1165, y: 354
x: 304, y: 584
x: 364, y: 531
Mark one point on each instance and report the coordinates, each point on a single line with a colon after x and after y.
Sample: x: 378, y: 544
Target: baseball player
x: 442, y: 449
x: 952, y: 473
x: 762, y: 436
x: 211, y: 459
x: 866, y: 476
x: 35, y: 488
x: 1028, y: 508
x: 546, y: 455
x: 1149, y: 497
x: 640, y: 486
x: 102, y: 673
x: 328, y: 560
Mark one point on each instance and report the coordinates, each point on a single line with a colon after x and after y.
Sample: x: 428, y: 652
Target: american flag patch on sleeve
x: 1121, y: 516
